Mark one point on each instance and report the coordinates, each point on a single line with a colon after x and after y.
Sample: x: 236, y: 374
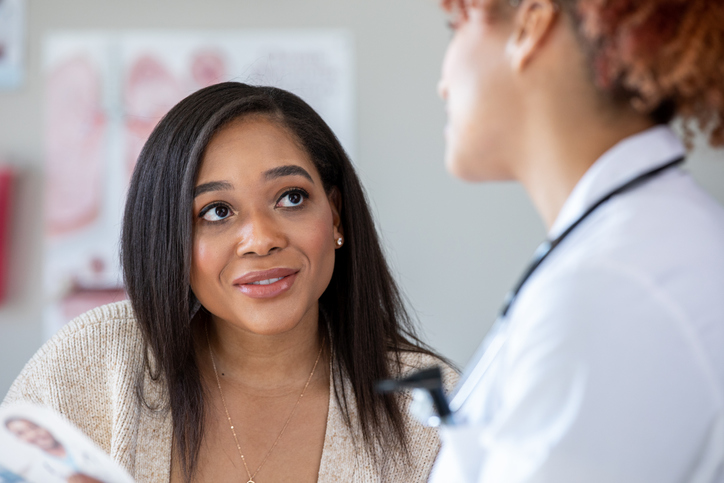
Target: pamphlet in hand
x: 39, y: 445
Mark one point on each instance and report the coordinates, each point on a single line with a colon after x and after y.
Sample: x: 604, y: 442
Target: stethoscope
x: 430, y: 380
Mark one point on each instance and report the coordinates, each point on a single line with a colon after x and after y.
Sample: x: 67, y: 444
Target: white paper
x: 39, y: 445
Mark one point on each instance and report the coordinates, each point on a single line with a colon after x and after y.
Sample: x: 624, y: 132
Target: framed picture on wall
x: 12, y: 43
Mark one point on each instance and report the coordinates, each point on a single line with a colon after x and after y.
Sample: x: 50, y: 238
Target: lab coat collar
x: 629, y: 158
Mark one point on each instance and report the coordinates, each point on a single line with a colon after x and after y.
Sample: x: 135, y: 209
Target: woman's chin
x: 270, y: 325
x: 270, y: 330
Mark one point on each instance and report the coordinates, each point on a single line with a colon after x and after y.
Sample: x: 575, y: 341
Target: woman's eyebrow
x: 212, y: 186
x: 287, y: 170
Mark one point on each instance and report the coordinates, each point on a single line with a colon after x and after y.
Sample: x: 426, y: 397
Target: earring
x: 339, y: 242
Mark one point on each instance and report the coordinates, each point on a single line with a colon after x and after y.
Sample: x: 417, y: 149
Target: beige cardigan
x: 87, y: 372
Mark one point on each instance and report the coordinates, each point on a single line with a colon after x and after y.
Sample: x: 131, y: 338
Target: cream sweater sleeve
x: 87, y: 372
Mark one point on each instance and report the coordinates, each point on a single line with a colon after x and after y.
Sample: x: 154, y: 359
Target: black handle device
x: 429, y: 380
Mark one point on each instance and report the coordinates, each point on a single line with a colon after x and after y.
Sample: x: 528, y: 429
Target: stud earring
x: 339, y: 241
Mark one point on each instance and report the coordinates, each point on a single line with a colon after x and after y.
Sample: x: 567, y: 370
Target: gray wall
x: 456, y: 248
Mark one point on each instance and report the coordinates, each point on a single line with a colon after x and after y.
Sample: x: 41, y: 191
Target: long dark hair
x: 362, y: 310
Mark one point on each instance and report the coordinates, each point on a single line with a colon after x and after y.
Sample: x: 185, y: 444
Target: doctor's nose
x: 259, y: 236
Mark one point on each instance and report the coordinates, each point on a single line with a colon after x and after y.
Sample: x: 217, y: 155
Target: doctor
x: 607, y: 364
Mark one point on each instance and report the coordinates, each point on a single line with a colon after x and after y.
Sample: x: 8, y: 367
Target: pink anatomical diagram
x: 150, y: 91
x: 84, y: 295
x: 208, y: 67
x: 75, y: 135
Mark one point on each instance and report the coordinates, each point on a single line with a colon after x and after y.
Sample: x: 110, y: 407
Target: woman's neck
x: 262, y: 365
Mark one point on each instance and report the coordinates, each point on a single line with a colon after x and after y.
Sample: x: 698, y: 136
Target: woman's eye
x: 216, y: 213
x: 291, y: 199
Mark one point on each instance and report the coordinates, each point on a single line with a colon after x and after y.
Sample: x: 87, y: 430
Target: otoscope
x: 427, y: 387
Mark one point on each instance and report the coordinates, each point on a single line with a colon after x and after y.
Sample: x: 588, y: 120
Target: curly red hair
x: 661, y: 53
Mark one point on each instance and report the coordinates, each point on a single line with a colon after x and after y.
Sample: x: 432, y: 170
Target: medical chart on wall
x: 104, y: 95
x: 12, y: 43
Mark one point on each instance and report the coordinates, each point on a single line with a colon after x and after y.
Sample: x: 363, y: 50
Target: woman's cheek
x: 319, y: 243
x: 203, y: 262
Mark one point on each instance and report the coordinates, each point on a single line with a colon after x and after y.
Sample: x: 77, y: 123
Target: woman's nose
x: 260, y: 235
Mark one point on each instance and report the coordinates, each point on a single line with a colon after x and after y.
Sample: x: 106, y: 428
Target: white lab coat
x: 610, y: 365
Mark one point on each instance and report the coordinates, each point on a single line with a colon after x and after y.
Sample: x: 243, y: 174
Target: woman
x: 606, y: 363
x: 261, y: 311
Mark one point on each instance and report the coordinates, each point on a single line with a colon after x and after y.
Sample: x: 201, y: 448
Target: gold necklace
x: 231, y: 425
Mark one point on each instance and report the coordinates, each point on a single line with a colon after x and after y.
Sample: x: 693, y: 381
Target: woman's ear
x: 335, y: 204
x: 533, y: 22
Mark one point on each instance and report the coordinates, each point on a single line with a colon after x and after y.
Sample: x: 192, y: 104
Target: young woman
x: 606, y: 363
x: 261, y: 311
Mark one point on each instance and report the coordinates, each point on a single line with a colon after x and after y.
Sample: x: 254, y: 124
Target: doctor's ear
x: 533, y: 22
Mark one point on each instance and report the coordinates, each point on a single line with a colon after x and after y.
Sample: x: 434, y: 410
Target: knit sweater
x: 88, y: 373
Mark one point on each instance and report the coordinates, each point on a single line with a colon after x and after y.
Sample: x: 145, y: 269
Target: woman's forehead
x: 253, y: 146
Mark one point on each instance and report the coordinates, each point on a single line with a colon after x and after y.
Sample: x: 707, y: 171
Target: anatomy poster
x: 104, y: 95
x: 12, y: 43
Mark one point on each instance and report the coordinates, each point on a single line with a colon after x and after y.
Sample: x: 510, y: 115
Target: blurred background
x: 83, y: 81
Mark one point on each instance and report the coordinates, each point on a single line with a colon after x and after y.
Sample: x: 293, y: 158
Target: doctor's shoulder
x: 89, y: 366
x: 663, y: 239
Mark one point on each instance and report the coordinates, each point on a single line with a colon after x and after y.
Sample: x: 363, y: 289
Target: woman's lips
x: 266, y: 283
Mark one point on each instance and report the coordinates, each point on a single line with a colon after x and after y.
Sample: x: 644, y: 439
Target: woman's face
x: 264, y: 229
x: 477, y: 85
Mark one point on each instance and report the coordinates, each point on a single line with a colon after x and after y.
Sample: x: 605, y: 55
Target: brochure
x: 39, y: 445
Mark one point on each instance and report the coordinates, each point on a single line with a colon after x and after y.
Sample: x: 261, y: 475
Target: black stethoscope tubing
x: 488, y: 350
x: 545, y: 249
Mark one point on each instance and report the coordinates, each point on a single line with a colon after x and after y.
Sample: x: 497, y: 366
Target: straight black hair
x: 362, y: 310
